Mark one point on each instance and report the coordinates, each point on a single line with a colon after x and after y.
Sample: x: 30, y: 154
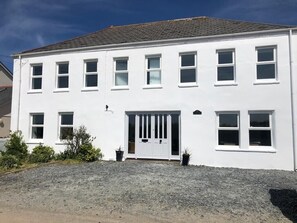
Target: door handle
x: 160, y: 141
x: 144, y: 140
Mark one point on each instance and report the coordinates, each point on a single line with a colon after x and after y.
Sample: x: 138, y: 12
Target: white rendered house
x: 224, y: 89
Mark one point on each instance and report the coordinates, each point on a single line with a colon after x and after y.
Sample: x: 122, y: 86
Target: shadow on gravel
x: 286, y: 201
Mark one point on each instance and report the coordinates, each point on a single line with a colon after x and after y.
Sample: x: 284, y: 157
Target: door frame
x: 168, y: 112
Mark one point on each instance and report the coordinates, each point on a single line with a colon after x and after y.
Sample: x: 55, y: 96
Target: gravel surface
x: 160, y: 190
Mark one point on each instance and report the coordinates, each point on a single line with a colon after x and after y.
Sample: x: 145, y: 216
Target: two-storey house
x: 223, y: 89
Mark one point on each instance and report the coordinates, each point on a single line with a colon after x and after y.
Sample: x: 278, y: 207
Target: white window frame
x: 228, y: 128
x: 153, y: 69
x: 35, y: 125
x: 274, y: 61
x: 61, y: 75
x: 270, y: 128
x: 185, y: 84
x: 119, y: 72
x: 61, y: 125
x: 222, y: 82
x: 35, y: 76
x: 90, y: 73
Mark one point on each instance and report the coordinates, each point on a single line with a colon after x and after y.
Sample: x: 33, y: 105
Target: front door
x: 151, y: 135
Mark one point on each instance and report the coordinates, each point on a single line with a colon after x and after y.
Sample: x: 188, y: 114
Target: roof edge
x: 153, y: 41
x: 6, y: 69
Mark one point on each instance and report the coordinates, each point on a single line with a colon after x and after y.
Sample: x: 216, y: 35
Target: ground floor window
x: 260, y: 129
x: 228, y: 128
x: 65, y: 125
x: 37, y: 125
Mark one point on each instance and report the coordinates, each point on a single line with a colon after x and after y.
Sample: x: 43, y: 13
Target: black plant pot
x: 185, y: 160
x: 119, y: 155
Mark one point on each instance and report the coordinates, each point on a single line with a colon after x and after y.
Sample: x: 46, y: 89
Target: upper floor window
x: 63, y: 75
x: 91, y: 75
x: 121, y: 72
x: 37, y: 125
x: 225, y: 67
x: 260, y: 129
x: 65, y: 125
x: 266, y: 63
x: 153, y: 70
x: 188, y: 68
x: 36, y: 77
x: 228, y: 128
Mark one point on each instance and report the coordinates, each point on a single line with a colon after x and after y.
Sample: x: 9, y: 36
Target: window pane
x: 37, y: 70
x: 229, y: 137
x: 140, y: 126
x: 91, y: 80
x: 37, y: 132
x: 174, y: 134
x: 228, y: 120
x: 225, y: 73
x: 121, y: 65
x: 63, y: 68
x: 153, y: 63
x: 188, y: 75
x: 156, y: 127
x: 154, y: 77
x: 259, y: 120
x: 92, y: 66
x: 121, y: 79
x: 265, y: 54
x: 36, y: 83
x: 225, y: 57
x: 144, y: 126
x: 65, y: 131
x: 165, y: 126
x: 266, y: 71
x: 149, y: 131
x: 37, y: 119
x: 260, y: 138
x: 67, y: 119
x: 63, y: 82
x: 188, y: 60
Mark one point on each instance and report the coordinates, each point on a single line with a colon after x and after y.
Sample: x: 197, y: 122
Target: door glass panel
x: 160, y: 126
x: 131, y: 134
x: 165, y: 126
x: 149, y: 126
x: 156, y: 127
x: 144, y: 126
x: 140, y: 126
x: 174, y: 134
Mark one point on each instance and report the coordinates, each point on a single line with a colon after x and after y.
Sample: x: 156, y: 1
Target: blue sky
x: 27, y: 24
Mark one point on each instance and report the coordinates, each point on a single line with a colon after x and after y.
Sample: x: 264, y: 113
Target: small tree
x: 16, y: 146
x: 42, y: 154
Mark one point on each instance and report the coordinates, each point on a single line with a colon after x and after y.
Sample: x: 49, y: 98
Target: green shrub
x: 16, y: 146
x: 88, y: 153
x: 8, y: 161
x: 42, y: 154
x: 79, y: 146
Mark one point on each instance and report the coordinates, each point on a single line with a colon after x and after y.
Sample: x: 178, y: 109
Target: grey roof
x: 162, y: 30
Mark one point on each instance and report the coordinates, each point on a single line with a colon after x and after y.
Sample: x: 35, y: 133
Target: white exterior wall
x: 198, y: 132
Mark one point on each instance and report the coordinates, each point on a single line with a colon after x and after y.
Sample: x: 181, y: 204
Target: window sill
x: 266, y: 82
x: 60, y: 143
x: 89, y: 89
x: 120, y: 88
x: 187, y: 85
x: 225, y: 83
x: 152, y: 87
x: 32, y: 141
x: 34, y: 92
x: 256, y: 149
x: 61, y: 90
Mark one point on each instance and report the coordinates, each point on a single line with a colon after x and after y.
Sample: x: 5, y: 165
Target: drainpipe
x: 292, y: 97
x: 19, y: 99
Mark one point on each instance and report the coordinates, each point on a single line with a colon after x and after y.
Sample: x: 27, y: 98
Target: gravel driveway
x: 154, y: 191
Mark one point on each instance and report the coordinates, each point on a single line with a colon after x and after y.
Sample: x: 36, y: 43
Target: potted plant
x: 119, y: 154
x: 186, y: 157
